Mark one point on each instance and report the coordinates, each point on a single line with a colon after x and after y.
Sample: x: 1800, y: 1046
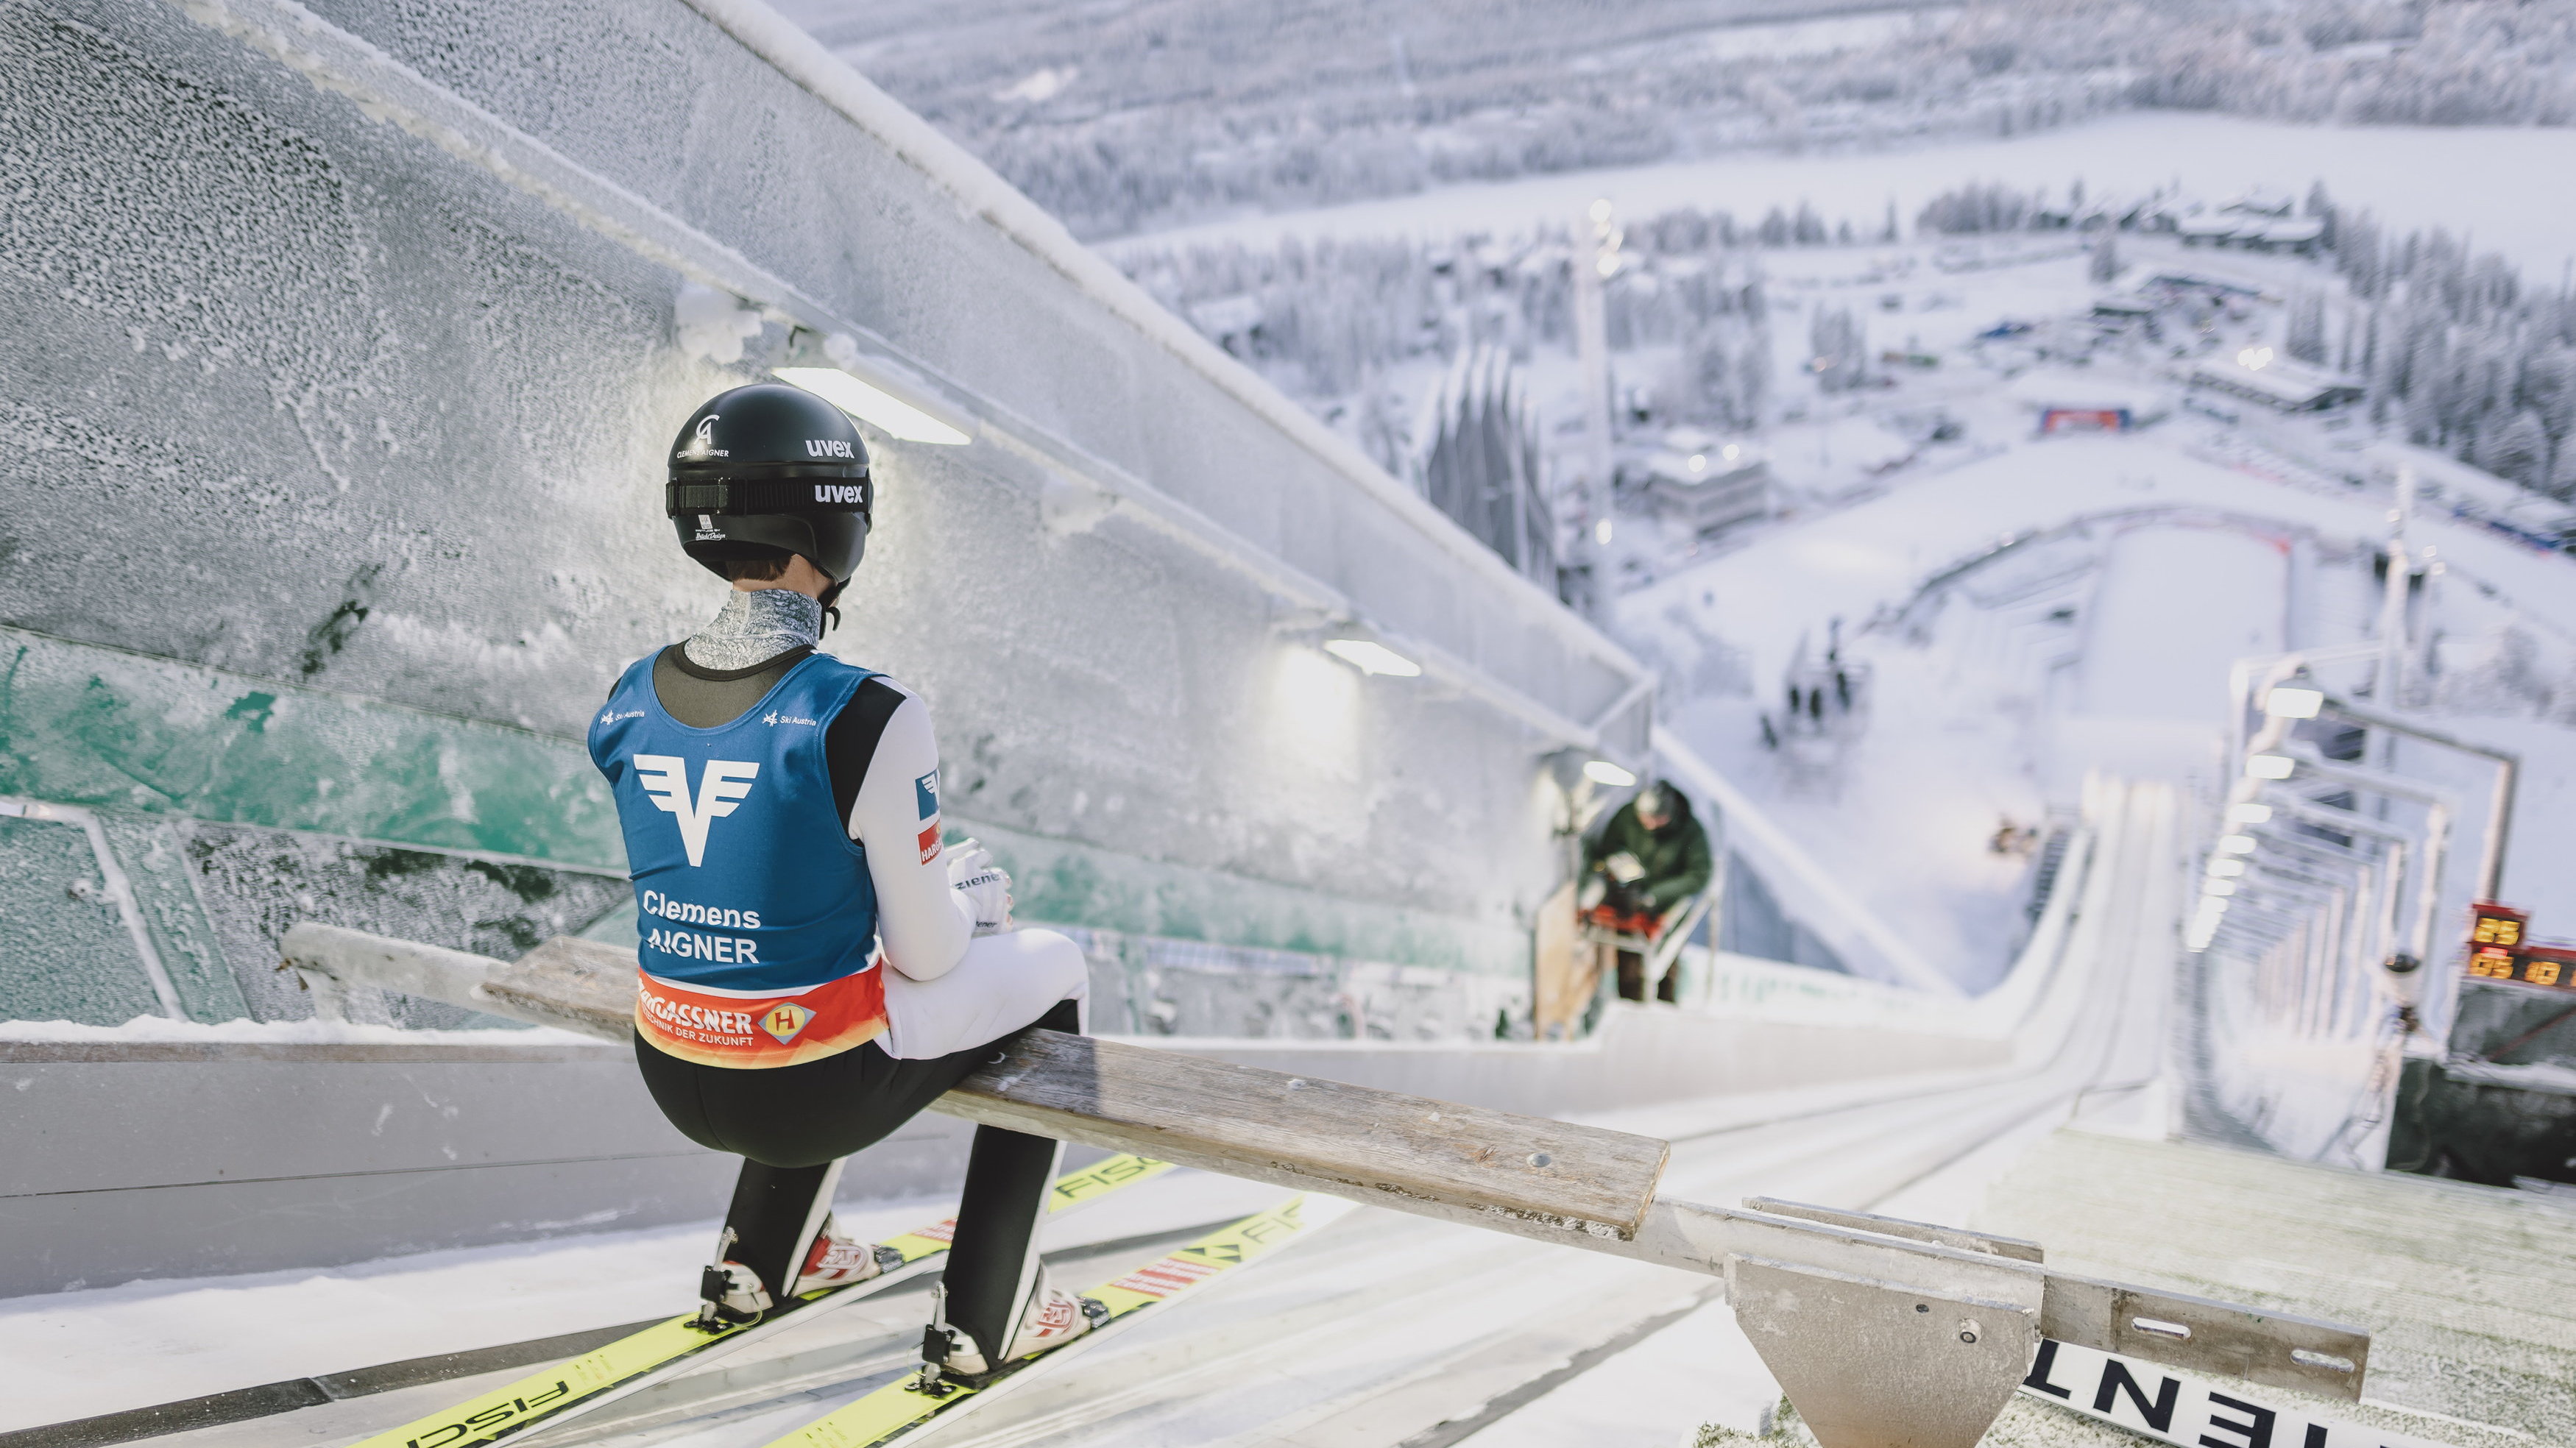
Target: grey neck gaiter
x: 754, y: 627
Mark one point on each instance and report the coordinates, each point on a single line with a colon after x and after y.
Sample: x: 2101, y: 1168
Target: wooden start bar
x: 1847, y: 1310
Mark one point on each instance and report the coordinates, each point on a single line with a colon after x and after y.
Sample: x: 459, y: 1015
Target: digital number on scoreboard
x: 2499, y: 950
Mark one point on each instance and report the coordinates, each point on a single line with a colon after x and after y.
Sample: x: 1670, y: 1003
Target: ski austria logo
x: 925, y: 790
x: 783, y: 1020
x: 724, y: 784
x: 773, y: 719
x: 612, y: 716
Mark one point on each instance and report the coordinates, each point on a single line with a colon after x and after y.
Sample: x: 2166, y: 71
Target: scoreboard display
x: 2500, y: 950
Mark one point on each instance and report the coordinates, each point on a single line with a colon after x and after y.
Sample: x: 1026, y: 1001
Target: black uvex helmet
x: 770, y: 469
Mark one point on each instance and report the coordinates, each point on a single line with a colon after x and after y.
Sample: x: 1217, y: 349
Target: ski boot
x: 952, y: 1356
x: 731, y: 1294
x: 837, y: 1261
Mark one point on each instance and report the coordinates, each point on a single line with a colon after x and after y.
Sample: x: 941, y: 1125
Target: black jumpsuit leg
x: 993, y: 1263
x: 792, y: 1124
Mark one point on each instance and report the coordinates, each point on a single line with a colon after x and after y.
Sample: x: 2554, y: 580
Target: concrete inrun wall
x: 347, y: 336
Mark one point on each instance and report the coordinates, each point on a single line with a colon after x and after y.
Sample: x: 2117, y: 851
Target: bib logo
x: 784, y: 1020
x: 724, y: 784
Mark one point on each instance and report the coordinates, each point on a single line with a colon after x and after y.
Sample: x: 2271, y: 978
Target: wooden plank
x: 580, y: 985
x: 1523, y: 1174
x: 1407, y: 1152
x: 1566, y: 968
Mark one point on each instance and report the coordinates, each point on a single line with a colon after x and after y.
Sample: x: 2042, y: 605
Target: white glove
x: 1623, y: 867
x: 983, y: 887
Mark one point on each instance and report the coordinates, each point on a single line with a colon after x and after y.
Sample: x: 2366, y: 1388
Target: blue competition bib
x: 747, y: 879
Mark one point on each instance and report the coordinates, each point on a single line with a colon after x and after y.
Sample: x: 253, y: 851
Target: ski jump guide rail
x: 1883, y: 1333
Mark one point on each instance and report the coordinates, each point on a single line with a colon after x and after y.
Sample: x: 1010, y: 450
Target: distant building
x: 1703, y: 485
x: 1229, y: 321
x: 2177, y: 284
x: 2260, y: 376
x: 2073, y: 401
x: 2252, y: 228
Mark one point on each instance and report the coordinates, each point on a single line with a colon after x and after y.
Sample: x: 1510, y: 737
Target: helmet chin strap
x: 830, y: 598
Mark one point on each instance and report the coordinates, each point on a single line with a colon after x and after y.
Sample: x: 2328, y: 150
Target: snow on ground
x: 2174, y: 608
x: 1907, y: 804
x: 77, y: 1354
x: 314, y: 1032
x: 2474, y: 179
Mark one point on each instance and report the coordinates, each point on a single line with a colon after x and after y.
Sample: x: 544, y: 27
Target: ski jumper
x: 783, y: 832
x: 755, y: 911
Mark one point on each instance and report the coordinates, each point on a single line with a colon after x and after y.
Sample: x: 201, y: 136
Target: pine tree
x: 2562, y: 474
x: 2105, y: 266
x: 2305, y: 338
x: 2518, y: 450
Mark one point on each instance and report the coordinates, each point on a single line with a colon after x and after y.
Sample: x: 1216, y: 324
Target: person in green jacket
x: 1647, y: 864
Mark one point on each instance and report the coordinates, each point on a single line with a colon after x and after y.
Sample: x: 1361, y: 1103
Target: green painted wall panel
x: 1071, y: 883
x: 81, y: 724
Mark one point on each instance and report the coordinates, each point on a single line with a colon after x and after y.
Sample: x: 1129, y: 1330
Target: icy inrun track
x: 1386, y: 1329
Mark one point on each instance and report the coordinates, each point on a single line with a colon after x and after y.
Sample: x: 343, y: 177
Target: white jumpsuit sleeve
x: 923, y: 923
x: 946, y: 989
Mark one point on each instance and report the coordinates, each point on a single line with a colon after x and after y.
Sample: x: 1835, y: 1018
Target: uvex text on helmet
x: 770, y: 469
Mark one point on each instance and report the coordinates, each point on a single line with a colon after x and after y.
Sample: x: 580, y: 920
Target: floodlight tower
x: 1596, y: 260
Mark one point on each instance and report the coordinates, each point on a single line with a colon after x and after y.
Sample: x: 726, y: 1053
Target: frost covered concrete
x: 340, y: 407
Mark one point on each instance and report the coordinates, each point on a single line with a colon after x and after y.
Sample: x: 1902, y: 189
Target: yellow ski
x: 667, y: 1349
x: 904, y: 1408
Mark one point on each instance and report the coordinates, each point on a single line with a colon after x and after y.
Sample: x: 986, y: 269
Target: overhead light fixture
x: 1602, y: 771
x: 2250, y: 813
x: 2218, y: 887
x: 2236, y: 844
x: 2293, y: 703
x: 2270, y: 766
x: 1372, y: 658
x: 2225, y: 867
x: 874, y: 406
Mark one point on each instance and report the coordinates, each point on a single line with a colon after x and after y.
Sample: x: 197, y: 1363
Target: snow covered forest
x: 1166, y: 112
x: 1327, y: 321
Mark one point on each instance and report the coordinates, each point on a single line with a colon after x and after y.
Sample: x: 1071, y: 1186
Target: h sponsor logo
x: 925, y: 791
x: 783, y: 1020
x: 723, y: 785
